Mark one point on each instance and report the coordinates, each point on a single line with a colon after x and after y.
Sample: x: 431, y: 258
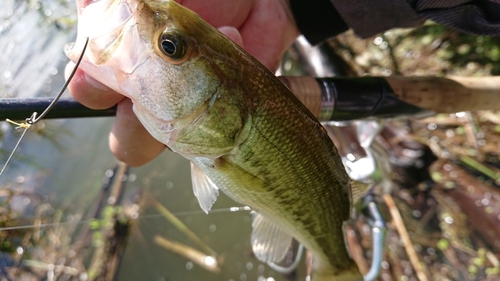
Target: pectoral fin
x: 204, y: 189
x: 269, y: 242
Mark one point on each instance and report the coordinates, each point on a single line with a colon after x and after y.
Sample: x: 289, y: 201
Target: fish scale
x: 244, y: 131
x: 294, y: 153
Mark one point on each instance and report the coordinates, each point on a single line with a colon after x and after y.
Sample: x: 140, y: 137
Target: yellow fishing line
x: 24, y: 125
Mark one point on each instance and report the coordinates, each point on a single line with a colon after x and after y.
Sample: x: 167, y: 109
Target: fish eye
x: 172, y: 46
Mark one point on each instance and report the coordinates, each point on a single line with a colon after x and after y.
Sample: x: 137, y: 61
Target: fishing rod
x: 20, y: 109
x: 331, y: 99
x: 341, y: 99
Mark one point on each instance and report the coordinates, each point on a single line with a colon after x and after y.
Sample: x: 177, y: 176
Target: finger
x: 89, y: 91
x: 220, y: 12
x: 269, y: 46
x: 81, y: 4
x: 233, y: 34
x: 129, y: 141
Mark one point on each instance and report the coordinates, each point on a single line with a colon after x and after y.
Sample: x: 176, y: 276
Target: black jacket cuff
x: 318, y: 20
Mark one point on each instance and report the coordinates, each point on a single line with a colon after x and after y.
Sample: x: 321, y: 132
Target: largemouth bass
x: 244, y: 132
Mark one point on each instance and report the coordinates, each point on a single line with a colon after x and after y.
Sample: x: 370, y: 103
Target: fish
x: 243, y: 131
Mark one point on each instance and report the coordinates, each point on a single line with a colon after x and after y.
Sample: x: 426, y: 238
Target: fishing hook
x: 287, y: 270
x: 379, y: 229
x: 53, y: 103
x: 33, y: 119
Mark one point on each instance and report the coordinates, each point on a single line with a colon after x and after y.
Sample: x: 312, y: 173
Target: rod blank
x: 20, y: 109
x: 334, y: 98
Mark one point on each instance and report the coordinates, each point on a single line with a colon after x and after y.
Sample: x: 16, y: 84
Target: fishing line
x: 17, y: 144
x: 44, y: 225
x: 151, y: 216
x: 33, y: 119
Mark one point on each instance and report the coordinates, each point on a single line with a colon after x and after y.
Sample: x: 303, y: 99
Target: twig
x: 182, y: 227
x: 207, y: 262
x: 452, y: 257
x: 356, y: 250
x: 394, y: 60
x: 398, y: 223
x: 51, y: 267
x: 490, y: 116
x: 479, y: 167
x: 470, y: 133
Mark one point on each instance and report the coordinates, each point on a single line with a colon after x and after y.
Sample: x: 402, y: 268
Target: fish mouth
x: 102, y: 22
x: 114, y: 42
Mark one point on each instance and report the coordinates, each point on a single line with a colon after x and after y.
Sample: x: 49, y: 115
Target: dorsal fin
x: 358, y: 189
x: 269, y: 242
x: 204, y: 189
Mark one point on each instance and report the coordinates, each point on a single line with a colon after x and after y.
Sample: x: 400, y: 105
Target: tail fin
x: 349, y: 274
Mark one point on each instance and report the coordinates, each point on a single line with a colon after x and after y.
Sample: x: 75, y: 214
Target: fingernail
x: 68, y: 69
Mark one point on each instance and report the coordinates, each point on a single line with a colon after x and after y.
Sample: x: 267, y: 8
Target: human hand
x: 265, y: 28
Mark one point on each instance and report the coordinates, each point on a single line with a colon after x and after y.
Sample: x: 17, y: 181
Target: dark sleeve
x: 317, y: 20
x: 326, y: 18
x: 322, y: 19
x: 480, y: 17
x: 369, y: 17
